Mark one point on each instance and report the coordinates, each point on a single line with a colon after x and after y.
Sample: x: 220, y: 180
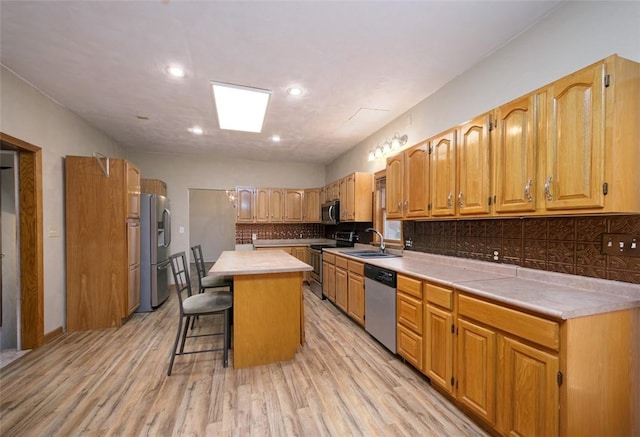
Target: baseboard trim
x: 52, y: 335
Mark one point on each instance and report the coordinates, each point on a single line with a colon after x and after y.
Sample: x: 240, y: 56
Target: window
x: 391, y: 229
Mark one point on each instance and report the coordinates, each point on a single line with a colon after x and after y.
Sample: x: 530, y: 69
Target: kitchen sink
x: 370, y: 254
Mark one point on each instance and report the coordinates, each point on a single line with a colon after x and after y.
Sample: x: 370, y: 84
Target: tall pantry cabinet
x: 103, y: 241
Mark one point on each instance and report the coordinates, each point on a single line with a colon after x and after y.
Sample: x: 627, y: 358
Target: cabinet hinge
x: 559, y: 379
x: 607, y: 80
x: 453, y: 329
x: 429, y: 207
x: 490, y: 126
x: 430, y: 150
x: 605, y: 188
x: 452, y: 381
x: 489, y: 201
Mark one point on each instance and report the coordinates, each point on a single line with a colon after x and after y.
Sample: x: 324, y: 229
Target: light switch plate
x: 621, y: 245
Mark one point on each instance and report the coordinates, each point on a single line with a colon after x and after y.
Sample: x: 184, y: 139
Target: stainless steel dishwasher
x: 380, y: 305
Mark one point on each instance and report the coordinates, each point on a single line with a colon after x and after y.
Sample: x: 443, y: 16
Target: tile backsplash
x: 559, y: 244
x: 277, y: 231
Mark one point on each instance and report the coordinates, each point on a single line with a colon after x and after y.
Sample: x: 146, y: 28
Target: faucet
x: 382, y: 245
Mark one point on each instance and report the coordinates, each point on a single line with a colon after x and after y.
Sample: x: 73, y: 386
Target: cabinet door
x: 476, y: 369
x: 409, y: 346
x: 344, y: 207
x: 355, y: 302
x: 416, y: 181
x: 394, y: 197
x: 516, y: 144
x: 575, y: 143
x: 443, y: 174
x: 133, y: 251
x: 329, y: 281
x: 262, y: 205
x: 473, y: 155
x: 528, y: 393
x: 293, y: 205
x: 311, y: 208
x: 245, y: 205
x: 133, y: 191
x: 302, y: 253
x: 276, y: 205
x: 409, y: 312
x: 439, y: 346
x: 341, y: 289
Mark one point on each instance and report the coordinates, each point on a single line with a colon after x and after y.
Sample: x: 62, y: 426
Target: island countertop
x: 257, y: 262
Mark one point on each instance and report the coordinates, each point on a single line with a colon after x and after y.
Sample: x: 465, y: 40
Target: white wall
x: 212, y: 222
x: 182, y: 173
x: 27, y: 114
x: 576, y: 35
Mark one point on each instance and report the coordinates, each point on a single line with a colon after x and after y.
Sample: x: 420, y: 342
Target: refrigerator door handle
x: 166, y: 219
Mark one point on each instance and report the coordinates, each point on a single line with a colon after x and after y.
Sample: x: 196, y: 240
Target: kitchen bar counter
x: 268, y: 310
x: 554, y: 295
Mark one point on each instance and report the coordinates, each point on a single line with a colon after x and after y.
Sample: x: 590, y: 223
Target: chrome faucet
x: 382, y: 245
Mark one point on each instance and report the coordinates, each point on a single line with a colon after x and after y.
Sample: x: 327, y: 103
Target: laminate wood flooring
x: 114, y: 382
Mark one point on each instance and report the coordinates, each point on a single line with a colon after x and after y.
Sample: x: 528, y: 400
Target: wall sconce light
x: 231, y: 196
x: 388, y: 147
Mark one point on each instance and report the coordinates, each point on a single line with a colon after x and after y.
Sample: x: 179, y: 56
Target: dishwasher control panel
x: 378, y: 274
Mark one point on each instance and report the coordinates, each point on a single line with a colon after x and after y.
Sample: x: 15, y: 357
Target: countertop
x: 251, y: 262
x: 555, y: 295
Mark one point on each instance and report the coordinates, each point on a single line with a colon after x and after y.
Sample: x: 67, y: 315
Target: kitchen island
x: 268, y: 307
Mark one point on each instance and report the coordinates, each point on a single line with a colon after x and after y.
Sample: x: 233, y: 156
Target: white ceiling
x: 362, y: 64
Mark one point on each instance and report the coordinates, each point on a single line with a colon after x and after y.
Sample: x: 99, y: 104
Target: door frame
x: 31, y: 240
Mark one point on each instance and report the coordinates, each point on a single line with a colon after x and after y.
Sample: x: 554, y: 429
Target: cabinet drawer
x: 342, y: 262
x: 536, y: 329
x: 410, y: 286
x: 328, y: 257
x: 356, y: 267
x: 410, y: 346
x: 440, y: 296
x: 410, y: 312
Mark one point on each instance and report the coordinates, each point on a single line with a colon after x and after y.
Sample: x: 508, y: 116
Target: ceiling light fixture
x: 388, y: 147
x: 294, y: 91
x: 175, y: 71
x: 196, y: 130
x: 239, y: 107
x: 275, y: 138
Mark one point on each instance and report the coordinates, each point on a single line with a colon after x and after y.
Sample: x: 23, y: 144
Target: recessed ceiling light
x: 275, y: 138
x: 294, y: 91
x: 175, y: 71
x: 239, y: 107
x: 196, y: 130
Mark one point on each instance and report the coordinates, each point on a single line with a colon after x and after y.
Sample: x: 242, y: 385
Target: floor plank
x: 113, y: 382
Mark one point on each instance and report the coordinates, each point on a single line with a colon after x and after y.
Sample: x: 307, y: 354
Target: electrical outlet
x: 496, y: 255
x: 620, y: 245
x: 408, y: 242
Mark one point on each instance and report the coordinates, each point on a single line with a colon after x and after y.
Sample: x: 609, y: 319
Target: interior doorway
x: 212, y: 222
x: 30, y: 240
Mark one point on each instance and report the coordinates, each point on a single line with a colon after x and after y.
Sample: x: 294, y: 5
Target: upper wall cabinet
x: 356, y: 198
x: 592, y: 153
x: 245, y: 205
x: 293, y: 211
x: 407, y: 190
x: 516, y: 140
x: 311, y: 205
x: 473, y: 156
x: 443, y: 174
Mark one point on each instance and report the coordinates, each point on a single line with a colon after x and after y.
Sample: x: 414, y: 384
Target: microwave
x: 331, y: 213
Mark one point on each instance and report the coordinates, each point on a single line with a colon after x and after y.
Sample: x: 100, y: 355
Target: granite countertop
x: 555, y: 295
x: 251, y: 262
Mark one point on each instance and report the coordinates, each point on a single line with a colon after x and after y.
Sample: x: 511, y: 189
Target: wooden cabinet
x: 302, y: 253
x: 356, y: 198
x: 311, y: 206
x: 439, y: 336
x: 102, y: 207
x: 443, y: 174
x: 293, y: 201
x: 153, y: 186
x: 355, y: 291
x: 329, y: 276
x: 592, y: 153
x: 517, y: 142
x: 245, y: 205
x: 409, y: 320
x: 269, y: 205
x: 342, y: 285
x: 473, y: 156
x: 408, y: 183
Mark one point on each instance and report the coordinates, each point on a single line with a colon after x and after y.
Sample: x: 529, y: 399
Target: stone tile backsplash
x: 559, y: 244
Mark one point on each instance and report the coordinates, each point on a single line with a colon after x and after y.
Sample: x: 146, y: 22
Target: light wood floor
x: 113, y: 382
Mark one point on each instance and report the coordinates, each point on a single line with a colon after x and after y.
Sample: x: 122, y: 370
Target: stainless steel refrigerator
x: 155, y: 238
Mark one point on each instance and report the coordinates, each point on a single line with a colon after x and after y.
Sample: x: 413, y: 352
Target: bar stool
x: 211, y: 282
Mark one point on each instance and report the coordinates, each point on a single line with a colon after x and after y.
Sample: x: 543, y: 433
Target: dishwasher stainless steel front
x: 380, y: 305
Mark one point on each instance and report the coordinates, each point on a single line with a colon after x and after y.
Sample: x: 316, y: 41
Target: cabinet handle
x: 449, y: 203
x: 406, y: 205
x: 460, y: 203
x: 547, y: 189
x: 527, y: 190
x: 399, y: 205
